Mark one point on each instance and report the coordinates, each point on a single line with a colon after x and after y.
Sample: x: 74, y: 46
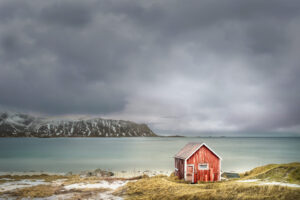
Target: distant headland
x: 24, y: 125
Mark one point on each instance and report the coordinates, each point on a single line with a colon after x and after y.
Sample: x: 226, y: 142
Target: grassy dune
x: 163, y: 187
x: 275, y: 172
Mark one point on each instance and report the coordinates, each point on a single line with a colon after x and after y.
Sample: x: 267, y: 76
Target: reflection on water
x: 76, y: 154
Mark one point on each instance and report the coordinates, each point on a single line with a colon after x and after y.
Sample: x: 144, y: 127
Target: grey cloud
x: 189, y: 67
x: 67, y: 13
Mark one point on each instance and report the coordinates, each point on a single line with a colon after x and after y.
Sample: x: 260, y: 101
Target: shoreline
x: 117, y: 174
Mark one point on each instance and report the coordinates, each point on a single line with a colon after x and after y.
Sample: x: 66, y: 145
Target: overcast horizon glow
x: 186, y: 67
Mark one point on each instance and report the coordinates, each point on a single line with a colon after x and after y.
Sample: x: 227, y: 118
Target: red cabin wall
x: 179, y: 165
x: 204, y: 155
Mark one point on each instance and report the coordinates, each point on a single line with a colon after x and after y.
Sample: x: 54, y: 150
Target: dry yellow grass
x: 164, y: 188
x: 38, y: 191
x: 94, y: 179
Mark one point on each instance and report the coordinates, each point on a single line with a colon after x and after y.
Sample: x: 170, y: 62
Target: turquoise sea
x: 77, y: 154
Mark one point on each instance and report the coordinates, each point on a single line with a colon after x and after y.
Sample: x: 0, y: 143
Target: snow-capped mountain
x: 23, y: 125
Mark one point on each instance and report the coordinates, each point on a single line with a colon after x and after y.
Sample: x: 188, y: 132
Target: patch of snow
x: 280, y: 184
x: 59, y: 181
x: 248, y: 181
x: 268, y: 183
x: 20, y: 184
x: 129, y: 174
x: 6, y: 179
x: 103, y: 184
x: 15, y: 119
x: 55, y: 197
x: 108, y: 196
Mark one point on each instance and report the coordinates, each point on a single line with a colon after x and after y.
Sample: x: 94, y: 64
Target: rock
x: 69, y: 174
x: 97, y: 172
x: 229, y: 175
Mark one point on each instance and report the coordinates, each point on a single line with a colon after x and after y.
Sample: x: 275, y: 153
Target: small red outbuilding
x: 197, y: 162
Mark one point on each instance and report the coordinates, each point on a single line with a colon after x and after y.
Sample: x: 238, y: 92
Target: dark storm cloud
x: 181, y: 66
x: 67, y: 14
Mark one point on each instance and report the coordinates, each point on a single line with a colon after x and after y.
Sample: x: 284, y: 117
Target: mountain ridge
x: 25, y: 125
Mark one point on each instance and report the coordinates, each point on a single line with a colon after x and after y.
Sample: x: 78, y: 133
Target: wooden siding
x: 204, y: 155
x: 179, y: 164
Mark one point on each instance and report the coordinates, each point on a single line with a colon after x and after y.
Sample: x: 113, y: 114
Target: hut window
x: 203, y: 166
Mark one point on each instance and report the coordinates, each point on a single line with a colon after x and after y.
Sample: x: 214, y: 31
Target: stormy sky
x: 183, y: 67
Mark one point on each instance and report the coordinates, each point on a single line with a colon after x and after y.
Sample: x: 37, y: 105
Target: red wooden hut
x: 197, y: 162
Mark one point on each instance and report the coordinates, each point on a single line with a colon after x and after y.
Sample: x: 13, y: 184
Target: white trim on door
x: 192, y: 165
x: 185, y: 163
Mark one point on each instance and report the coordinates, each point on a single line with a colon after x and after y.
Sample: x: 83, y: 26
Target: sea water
x: 128, y: 154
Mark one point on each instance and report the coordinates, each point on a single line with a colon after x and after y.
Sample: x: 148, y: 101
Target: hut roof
x: 190, y: 148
